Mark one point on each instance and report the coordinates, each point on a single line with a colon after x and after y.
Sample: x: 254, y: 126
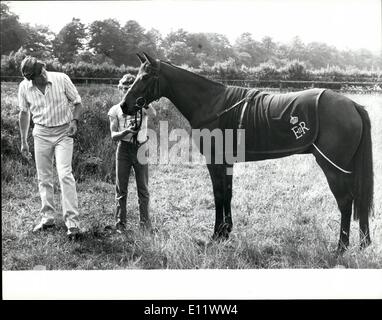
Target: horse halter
x: 140, y: 103
x: 153, y: 92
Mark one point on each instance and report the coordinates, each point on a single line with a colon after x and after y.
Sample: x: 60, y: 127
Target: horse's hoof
x: 225, y: 235
x: 339, y: 252
x: 221, y: 236
x: 215, y: 237
x: 364, y: 244
x: 341, y: 249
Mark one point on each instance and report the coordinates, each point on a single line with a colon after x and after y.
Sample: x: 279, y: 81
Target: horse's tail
x: 363, y: 188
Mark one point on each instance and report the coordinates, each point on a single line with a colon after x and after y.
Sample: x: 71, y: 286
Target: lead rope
x: 137, y: 127
x: 331, y: 162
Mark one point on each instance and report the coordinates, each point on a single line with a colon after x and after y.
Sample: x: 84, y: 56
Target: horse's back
x: 281, y: 123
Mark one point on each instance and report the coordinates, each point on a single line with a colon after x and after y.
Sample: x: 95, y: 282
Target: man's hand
x: 72, y: 130
x: 25, y: 151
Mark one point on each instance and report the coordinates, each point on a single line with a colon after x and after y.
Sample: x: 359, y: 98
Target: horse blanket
x: 278, y: 124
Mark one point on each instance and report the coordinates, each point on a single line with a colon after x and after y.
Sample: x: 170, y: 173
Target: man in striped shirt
x: 46, y: 96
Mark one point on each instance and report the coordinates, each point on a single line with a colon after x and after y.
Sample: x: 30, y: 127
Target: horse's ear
x: 149, y: 59
x: 141, y: 58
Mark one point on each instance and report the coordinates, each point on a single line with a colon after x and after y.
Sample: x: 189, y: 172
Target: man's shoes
x: 74, y: 233
x: 42, y: 226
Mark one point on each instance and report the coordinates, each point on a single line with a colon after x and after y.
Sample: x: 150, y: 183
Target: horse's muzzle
x: 139, y: 104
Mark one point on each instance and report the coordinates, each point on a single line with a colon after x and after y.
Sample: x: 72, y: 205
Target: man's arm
x: 77, y: 113
x: 24, y: 121
x: 72, y: 94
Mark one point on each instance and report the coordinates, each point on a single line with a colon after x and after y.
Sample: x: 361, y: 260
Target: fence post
x: 280, y: 85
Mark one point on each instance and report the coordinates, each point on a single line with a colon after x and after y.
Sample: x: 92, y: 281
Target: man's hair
x: 127, y: 80
x: 30, y: 66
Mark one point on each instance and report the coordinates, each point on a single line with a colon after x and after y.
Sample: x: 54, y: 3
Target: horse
x: 342, y: 145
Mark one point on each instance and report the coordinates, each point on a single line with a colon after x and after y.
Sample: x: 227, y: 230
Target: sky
x: 345, y: 24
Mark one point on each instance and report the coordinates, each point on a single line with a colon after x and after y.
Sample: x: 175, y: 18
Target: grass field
x: 283, y: 211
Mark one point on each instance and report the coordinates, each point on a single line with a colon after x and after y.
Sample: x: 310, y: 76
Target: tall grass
x: 284, y: 213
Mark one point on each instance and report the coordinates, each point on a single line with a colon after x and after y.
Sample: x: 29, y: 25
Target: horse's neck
x: 194, y: 96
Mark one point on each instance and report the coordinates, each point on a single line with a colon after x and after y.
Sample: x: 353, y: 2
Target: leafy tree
x: 244, y: 58
x: 213, y: 47
x: 107, y: 38
x: 179, y: 35
x: 221, y: 47
x: 197, y: 42
x: 177, y: 48
x: 38, y: 41
x: 269, y: 48
x: 180, y: 53
x: 134, y: 38
x: 10, y: 64
x: 296, y: 49
x: 152, y: 43
x: 12, y: 32
x: 320, y: 55
x: 202, y: 48
x: 110, y: 44
x: 365, y: 57
x: 69, y: 41
x: 246, y: 44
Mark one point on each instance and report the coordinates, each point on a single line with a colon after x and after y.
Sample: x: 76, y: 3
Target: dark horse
x: 342, y: 146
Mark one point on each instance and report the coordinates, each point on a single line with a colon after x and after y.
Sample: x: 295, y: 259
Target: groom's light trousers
x: 53, y: 143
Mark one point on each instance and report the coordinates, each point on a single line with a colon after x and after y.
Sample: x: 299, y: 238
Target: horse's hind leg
x: 227, y: 199
x: 344, y: 137
x: 364, y: 232
x: 341, y: 186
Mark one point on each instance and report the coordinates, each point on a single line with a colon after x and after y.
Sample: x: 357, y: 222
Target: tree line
x: 107, y: 42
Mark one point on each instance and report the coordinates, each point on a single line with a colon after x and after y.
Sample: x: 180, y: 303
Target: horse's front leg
x: 228, y: 224
x: 218, y: 177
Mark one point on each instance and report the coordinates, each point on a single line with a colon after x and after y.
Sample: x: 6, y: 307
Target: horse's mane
x: 198, y: 76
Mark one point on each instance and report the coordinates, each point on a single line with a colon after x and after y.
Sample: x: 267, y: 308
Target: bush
x: 266, y: 71
x: 10, y: 66
x: 12, y: 162
x: 295, y: 70
x: 226, y: 70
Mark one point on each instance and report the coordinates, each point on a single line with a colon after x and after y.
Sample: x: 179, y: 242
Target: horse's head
x: 145, y: 88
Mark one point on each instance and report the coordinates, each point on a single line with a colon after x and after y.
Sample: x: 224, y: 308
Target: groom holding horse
x: 131, y: 134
